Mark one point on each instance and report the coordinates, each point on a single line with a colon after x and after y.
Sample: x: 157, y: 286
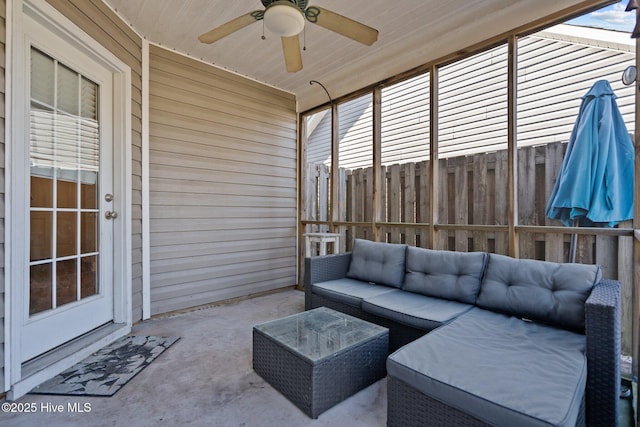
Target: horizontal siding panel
x: 162, y: 200
x: 117, y: 25
x: 233, y: 278
x: 188, y: 123
x: 216, y: 78
x: 225, y: 95
x: 405, y: 121
x: 171, y: 252
x: 103, y: 28
x: 208, y: 279
x: 220, y: 235
x: 199, y: 262
x: 218, y: 176
x: 229, y: 144
x: 176, y: 107
x: 186, y: 225
x: 200, y: 157
x: 473, y: 104
x: 355, y: 120
x: 205, y: 187
x: 261, y: 284
x: 213, y: 212
x: 226, y: 107
x: 222, y: 184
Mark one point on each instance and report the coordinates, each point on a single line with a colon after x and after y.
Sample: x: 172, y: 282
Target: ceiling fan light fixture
x: 284, y: 19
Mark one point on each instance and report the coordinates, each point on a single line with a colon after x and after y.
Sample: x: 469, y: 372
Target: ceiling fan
x: 286, y: 18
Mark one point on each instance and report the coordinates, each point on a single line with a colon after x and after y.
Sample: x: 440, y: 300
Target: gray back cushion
x: 450, y: 275
x: 381, y: 263
x: 538, y: 290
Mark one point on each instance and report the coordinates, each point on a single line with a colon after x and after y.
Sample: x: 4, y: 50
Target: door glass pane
x: 41, y: 241
x: 88, y: 232
x: 89, y: 279
x: 67, y: 90
x: 89, y: 100
x: 67, y: 193
x: 64, y: 160
x: 89, y: 153
x: 42, y: 78
x: 66, y: 289
x: 89, y: 192
x: 66, y: 234
x: 41, y: 192
x: 40, y: 290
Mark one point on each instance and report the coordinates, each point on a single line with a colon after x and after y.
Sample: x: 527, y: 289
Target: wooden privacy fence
x: 472, y: 191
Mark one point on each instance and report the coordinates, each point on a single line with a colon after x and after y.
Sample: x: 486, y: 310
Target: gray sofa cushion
x: 538, y: 290
x: 381, y: 263
x: 445, y: 274
x: 415, y: 310
x: 499, y: 369
x: 349, y: 291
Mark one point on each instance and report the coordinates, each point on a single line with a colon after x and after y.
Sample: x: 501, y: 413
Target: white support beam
x: 146, y: 232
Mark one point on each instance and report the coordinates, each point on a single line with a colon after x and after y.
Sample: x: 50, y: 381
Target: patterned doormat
x: 106, y: 371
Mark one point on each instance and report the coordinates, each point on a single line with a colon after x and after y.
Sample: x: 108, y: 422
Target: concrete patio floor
x: 206, y: 379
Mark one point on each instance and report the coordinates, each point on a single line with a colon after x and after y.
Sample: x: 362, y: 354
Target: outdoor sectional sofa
x: 482, y: 339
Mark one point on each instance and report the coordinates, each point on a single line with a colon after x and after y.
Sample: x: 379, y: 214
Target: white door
x: 69, y: 288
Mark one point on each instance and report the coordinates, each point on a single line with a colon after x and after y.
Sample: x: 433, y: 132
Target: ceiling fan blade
x: 230, y: 27
x: 345, y: 26
x: 292, y: 55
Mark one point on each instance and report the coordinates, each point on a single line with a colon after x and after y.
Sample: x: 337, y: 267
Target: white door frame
x: 16, y: 170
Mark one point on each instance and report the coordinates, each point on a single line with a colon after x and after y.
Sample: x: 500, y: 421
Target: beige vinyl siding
x: 2, y: 183
x: 554, y: 74
x: 99, y: 22
x: 405, y: 121
x: 355, y: 130
x: 319, y: 144
x: 554, y: 71
x: 222, y: 184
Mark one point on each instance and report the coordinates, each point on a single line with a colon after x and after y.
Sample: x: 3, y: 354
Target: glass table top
x: 318, y: 333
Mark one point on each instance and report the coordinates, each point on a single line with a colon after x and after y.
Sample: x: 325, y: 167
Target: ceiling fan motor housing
x: 301, y: 4
x: 284, y: 18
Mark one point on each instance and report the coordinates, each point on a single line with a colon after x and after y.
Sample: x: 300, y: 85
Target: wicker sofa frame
x: 408, y: 407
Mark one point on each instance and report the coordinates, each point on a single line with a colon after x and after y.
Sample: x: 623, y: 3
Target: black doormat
x: 106, y: 371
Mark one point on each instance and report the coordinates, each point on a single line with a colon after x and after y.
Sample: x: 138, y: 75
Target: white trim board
x: 8, y: 182
x: 146, y: 229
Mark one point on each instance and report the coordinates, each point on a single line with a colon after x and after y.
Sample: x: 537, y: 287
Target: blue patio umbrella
x: 595, y: 185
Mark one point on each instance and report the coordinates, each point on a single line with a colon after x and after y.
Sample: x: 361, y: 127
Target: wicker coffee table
x: 320, y: 357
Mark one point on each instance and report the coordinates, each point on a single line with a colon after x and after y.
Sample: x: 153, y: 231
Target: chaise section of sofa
x: 498, y: 369
x: 521, y: 357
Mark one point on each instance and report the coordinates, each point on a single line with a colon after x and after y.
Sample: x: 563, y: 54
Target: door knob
x: 108, y: 197
x: 111, y: 214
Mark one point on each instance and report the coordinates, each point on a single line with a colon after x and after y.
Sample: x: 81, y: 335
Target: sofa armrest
x: 603, y: 312
x: 323, y: 268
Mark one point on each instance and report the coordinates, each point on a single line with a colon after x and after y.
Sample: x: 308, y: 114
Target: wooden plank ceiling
x: 412, y: 33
